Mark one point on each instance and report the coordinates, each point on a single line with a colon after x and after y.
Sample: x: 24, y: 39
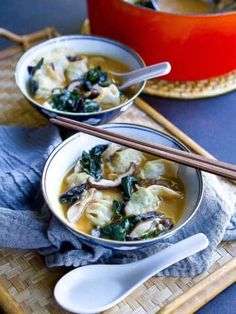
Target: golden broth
x: 172, y: 208
x: 184, y: 6
x: 107, y: 64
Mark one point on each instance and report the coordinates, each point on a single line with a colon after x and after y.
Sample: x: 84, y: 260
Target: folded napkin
x: 25, y: 221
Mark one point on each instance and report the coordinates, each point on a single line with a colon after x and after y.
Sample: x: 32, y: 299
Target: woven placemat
x: 185, y: 90
x: 23, y: 273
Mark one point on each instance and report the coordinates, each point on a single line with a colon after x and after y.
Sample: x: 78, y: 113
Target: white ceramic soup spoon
x: 142, y: 74
x: 155, y: 5
x: 96, y: 288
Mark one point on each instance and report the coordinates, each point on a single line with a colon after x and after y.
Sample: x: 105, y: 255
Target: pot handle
x: 26, y: 40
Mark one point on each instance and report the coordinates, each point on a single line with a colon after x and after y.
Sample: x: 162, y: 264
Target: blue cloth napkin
x: 25, y: 221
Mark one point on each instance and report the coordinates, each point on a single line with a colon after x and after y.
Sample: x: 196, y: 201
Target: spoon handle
x: 155, y: 5
x: 171, y: 255
x: 146, y: 73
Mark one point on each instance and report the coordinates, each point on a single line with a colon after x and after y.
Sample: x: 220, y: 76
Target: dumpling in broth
x: 109, y: 95
x: 154, y: 169
x: 51, y: 74
x: 148, y: 199
x: 76, y: 70
x: 121, y: 160
x: 164, y: 192
x: 100, y: 210
x: 100, y: 213
x: 77, y: 179
x: 141, y: 202
x: 47, y: 79
x: 58, y: 59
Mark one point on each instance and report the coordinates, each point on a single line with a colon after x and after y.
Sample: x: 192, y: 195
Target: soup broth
x: 184, y: 6
x: 177, y: 6
x: 73, y: 82
x: 171, y: 201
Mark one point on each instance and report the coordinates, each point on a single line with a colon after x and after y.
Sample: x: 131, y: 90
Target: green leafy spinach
x: 117, y: 207
x: 91, y: 162
x: 95, y: 76
x: 116, y: 231
x: 72, y: 101
x: 33, y: 85
x: 127, y: 184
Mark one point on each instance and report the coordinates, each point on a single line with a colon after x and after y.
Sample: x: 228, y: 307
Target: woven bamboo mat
x: 23, y: 273
x: 186, y: 90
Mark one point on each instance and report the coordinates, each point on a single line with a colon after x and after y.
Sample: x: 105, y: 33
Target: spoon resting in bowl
x: 96, y: 288
x: 142, y: 74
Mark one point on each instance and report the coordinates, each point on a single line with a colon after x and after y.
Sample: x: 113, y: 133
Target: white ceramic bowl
x: 67, y: 153
x: 81, y: 44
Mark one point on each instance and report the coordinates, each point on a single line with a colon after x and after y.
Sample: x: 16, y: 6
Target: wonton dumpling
x: 141, y: 202
x: 154, y: 169
x: 100, y: 210
x: 77, y: 179
x: 58, y: 58
x: 51, y: 74
x: 47, y: 79
x: 100, y: 213
x: 109, y: 95
x: 163, y: 191
x: 76, y: 70
x: 121, y: 160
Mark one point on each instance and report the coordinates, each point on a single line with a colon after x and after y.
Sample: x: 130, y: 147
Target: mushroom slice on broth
x: 148, y: 228
x: 154, y: 169
x: 75, y: 212
x: 110, y: 151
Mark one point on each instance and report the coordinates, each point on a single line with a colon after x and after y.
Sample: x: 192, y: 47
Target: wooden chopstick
x: 7, y: 304
x: 202, y: 292
x: 165, y: 148
x: 189, y: 159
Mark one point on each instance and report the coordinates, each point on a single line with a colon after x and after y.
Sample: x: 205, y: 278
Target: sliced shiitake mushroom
x: 75, y: 212
x: 110, y: 151
x: 150, y: 226
x: 76, y: 84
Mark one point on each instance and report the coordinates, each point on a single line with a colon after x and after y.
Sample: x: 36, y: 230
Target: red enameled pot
x: 197, y: 46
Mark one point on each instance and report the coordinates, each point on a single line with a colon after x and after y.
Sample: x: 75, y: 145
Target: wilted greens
x: 119, y: 195
x: 91, y: 162
x: 77, y: 83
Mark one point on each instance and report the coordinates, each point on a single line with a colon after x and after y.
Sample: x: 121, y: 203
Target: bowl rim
x: 106, y: 242
x: 190, y: 15
x: 65, y: 38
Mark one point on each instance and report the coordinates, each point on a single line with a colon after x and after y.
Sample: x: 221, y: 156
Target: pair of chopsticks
x: 186, y: 158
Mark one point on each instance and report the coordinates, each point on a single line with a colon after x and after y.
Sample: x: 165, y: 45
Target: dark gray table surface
x: 211, y: 122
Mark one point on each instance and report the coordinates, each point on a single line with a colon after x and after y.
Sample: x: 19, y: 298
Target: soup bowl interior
x: 66, y: 154
x: 85, y: 45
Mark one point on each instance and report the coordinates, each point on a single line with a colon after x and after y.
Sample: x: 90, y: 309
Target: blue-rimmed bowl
x: 81, y: 44
x: 67, y: 153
